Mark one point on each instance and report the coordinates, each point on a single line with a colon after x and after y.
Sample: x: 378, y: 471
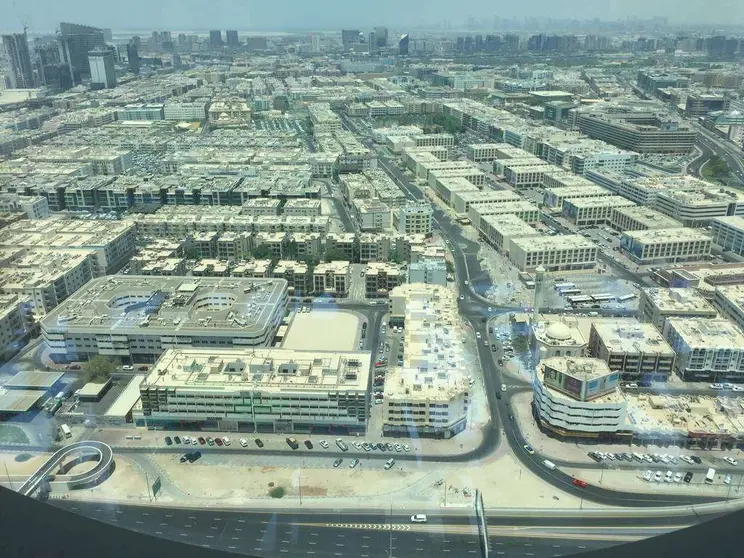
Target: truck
x: 54, y: 407
x: 292, y: 443
x: 65, y: 430
x: 710, y: 476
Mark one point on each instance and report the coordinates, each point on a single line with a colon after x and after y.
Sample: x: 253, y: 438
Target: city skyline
x: 294, y: 15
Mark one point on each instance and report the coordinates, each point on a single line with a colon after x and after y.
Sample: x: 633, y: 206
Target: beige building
x: 332, y: 278
x: 382, y: 277
x: 554, y: 253
x: 666, y: 245
x: 413, y: 218
x: 707, y: 349
x: 525, y: 210
x: 658, y: 304
x: 639, y: 218
x: 592, y: 211
x: 500, y: 230
x: 256, y: 390
x: 637, y: 350
x: 428, y: 396
x: 729, y: 301
x: 296, y: 274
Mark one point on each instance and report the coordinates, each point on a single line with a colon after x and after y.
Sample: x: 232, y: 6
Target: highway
x: 366, y: 535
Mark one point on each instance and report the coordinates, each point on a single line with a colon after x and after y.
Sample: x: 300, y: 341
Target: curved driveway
x: 105, y: 459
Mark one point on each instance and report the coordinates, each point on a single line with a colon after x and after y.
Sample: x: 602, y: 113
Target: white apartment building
x: 637, y: 350
x: 429, y: 395
x: 306, y: 245
x: 185, y: 111
x: 728, y: 233
x: 462, y: 200
x: 638, y: 218
x: 484, y: 152
x: 592, y: 211
x: 256, y: 390
x: 696, y: 208
x: 729, y: 301
x: 561, y: 178
x: 35, y: 207
x: 332, y: 278
x: 429, y: 271
x: 323, y: 118
x: 136, y: 318
x: 525, y: 210
x: 554, y: 253
x: 707, y: 349
x: 554, y: 196
x: 449, y: 186
x: 413, y: 218
x: 303, y: 207
x: 658, y: 304
x: 434, y: 140
x: 578, y: 396
x: 666, y: 245
x: 527, y: 176
x: 371, y: 214
x: 13, y: 323
x: 261, y: 206
x: 499, y: 230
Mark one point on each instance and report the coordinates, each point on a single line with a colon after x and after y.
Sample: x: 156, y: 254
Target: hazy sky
x: 45, y: 15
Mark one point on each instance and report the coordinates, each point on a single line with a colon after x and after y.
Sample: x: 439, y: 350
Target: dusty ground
x: 324, y: 330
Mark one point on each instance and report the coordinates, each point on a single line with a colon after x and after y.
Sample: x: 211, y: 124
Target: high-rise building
x: 75, y: 42
x: 403, y: 45
x: 16, y: 46
x: 215, y: 38
x: 133, y: 57
x: 232, y: 38
x: 381, y: 35
x: 349, y: 37
x: 372, y: 43
x: 102, y: 72
x: 315, y: 41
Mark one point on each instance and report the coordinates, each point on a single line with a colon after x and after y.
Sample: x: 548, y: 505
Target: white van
x: 710, y: 476
x: 549, y: 464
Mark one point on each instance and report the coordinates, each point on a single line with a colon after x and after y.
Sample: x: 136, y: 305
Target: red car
x: 218, y: 441
x: 580, y: 483
x: 379, y: 364
x: 202, y: 441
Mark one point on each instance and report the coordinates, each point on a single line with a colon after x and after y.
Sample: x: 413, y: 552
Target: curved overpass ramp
x: 81, y: 451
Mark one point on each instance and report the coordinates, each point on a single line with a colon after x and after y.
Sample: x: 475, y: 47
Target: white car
x: 244, y: 442
x: 503, y: 387
x: 186, y: 440
x: 657, y: 476
x: 731, y: 460
x: 678, y: 477
x: 323, y: 444
x: 406, y: 447
x: 716, y: 386
x: 648, y: 475
x: 418, y: 518
x: 737, y: 388
x: 727, y: 479
x: 226, y: 441
x: 127, y: 367
x: 668, y: 476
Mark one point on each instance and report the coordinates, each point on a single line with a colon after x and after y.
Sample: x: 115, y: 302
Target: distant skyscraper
x: 372, y: 43
x: 315, y: 41
x: 381, y: 33
x: 16, y: 46
x: 349, y: 37
x: 102, y: 72
x: 133, y: 57
x: 215, y: 39
x: 76, y: 41
x: 232, y: 38
x: 403, y: 45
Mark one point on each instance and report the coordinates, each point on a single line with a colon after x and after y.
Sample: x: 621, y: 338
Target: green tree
x: 335, y: 254
x: 98, y: 369
x: 262, y: 252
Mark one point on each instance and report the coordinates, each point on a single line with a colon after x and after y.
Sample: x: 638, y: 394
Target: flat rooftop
x: 19, y: 400
x: 590, y: 202
x: 704, y: 196
x: 169, y: 305
x: 510, y: 225
x: 33, y: 379
x: 583, y: 368
x: 678, y: 300
x: 708, y: 332
x: 261, y: 369
x: 639, y: 337
x: 678, y: 234
x: 734, y: 221
x: 648, y: 217
x: 127, y: 399
x: 558, y: 242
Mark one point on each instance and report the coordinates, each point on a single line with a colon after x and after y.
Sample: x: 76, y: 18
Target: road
x: 367, y: 535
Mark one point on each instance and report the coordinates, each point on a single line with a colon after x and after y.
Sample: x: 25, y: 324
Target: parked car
x: 647, y: 476
x: 688, y: 476
x: 308, y: 444
x: 201, y: 440
x: 338, y: 462
x: 354, y: 463
x: 677, y: 477
x: 226, y: 441
x: 176, y: 439
x: 657, y: 476
x: 731, y: 461
x: 259, y: 443
x: 323, y: 444
x: 244, y: 442
x: 389, y: 463
x: 398, y: 447
x: 210, y: 441
x: 168, y: 441
x: 406, y: 447
x: 218, y: 441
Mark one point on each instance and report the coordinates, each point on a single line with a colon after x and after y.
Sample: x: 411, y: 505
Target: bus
x: 567, y: 292
x: 710, y: 476
x: 581, y: 299
x: 626, y: 298
x: 561, y: 286
x: 65, y: 430
x: 603, y: 297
